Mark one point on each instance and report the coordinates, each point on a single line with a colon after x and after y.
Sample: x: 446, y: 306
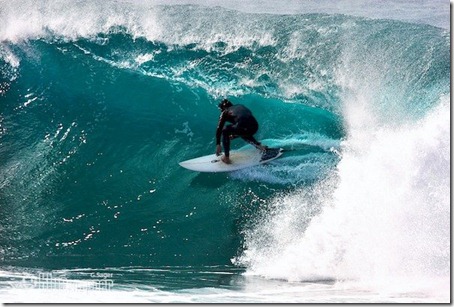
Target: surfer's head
x: 225, y: 104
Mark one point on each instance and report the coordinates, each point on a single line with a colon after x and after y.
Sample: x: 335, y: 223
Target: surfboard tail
x: 271, y: 153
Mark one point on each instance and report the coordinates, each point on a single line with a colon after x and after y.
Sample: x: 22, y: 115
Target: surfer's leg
x: 251, y: 140
x: 247, y: 131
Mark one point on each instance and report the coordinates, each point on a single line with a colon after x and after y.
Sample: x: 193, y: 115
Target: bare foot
x: 226, y: 160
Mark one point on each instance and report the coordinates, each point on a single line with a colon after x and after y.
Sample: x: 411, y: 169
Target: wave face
x: 96, y: 113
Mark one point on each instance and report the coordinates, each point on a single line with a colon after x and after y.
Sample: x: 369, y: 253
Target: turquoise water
x: 96, y: 113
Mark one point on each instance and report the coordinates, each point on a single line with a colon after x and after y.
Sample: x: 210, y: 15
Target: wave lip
x: 32, y: 19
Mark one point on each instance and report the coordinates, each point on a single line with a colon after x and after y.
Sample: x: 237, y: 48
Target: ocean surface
x: 99, y: 101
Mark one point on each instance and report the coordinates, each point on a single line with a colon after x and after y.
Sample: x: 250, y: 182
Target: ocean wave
x: 96, y: 113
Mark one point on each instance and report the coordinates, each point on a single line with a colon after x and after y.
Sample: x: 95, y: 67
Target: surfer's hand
x: 218, y: 150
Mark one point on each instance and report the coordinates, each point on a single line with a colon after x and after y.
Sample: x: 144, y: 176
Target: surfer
x: 243, y: 125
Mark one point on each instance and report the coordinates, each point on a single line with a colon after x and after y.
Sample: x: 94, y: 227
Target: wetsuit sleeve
x: 220, y: 126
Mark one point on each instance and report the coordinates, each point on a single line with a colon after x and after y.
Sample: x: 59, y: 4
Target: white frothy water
x: 382, y: 220
x: 385, y: 220
x: 71, y: 19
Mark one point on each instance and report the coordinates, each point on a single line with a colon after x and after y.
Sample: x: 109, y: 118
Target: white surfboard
x: 240, y: 159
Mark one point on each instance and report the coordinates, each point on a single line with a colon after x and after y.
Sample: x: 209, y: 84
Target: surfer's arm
x: 220, y: 127
x: 221, y: 123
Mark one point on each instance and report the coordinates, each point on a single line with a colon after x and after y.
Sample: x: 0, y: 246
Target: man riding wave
x: 243, y: 124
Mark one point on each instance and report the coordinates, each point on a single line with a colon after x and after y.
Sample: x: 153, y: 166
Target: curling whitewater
x: 364, y: 232
x: 96, y: 113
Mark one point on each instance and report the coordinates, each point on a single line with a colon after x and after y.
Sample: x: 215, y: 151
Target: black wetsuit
x: 243, y: 125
